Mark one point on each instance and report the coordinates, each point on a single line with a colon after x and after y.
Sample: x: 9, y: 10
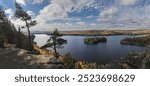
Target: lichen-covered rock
x: 134, y: 59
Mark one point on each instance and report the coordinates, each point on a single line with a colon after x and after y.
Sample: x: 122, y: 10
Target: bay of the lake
x: 101, y: 53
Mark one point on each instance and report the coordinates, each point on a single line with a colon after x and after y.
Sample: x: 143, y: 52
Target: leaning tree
x: 55, y: 42
x: 23, y: 15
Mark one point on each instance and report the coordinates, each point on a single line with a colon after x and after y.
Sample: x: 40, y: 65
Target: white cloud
x: 81, y: 23
x: 128, y: 2
x: 10, y: 13
x: 59, y: 9
x: 93, y: 24
x: 126, y: 17
x: 90, y: 17
x: 109, y: 11
x: 37, y: 1
x: 22, y: 2
x: 108, y: 14
x: 64, y: 26
x: 17, y: 22
x: 31, y: 13
x: 116, y: 15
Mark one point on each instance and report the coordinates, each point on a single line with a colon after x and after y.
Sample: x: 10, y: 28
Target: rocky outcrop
x: 94, y: 40
x: 15, y: 58
x: 134, y: 60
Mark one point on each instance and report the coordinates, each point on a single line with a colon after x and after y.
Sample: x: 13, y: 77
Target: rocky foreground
x: 15, y: 58
x: 134, y: 60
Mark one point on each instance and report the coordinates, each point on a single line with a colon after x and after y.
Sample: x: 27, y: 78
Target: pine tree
x: 20, y: 13
x: 55, y: 42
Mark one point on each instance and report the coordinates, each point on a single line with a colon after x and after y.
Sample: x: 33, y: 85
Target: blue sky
x: 83, y: 14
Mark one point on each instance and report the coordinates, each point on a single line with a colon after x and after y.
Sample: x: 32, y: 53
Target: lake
x: 101, y: 53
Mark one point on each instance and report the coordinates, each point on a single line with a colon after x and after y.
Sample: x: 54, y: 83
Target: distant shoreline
x: 98, y: 32
x: 106, y: 32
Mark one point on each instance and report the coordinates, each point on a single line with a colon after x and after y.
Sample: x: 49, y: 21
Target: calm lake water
x: 100, y: 53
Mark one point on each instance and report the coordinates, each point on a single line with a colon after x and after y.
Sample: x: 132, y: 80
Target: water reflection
x: 100, y: 53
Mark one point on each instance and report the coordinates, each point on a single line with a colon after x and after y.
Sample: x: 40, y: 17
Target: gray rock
x: 54, y: 61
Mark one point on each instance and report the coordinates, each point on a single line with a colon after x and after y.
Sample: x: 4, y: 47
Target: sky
x: 83, y: 14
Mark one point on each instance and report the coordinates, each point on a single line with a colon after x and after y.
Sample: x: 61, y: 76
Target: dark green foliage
x: 2, y: 39
x: 20, y: 13
x: 69, y: 62
x: 55, y: 42
x: 7, y: 30
x: 9, y: 34
x: 94, y: 40
x: 22, y: 41
x: 140, y: 41
x: 2, y: 14
x: 56, y: 33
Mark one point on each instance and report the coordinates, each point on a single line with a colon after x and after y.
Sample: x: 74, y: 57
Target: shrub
x: 68, y: 61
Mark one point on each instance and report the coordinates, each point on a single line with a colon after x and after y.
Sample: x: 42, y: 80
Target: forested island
x: 139, y: 41
x: 95, y: 40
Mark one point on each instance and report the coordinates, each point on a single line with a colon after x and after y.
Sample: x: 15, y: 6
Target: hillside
x: 106, y: 32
